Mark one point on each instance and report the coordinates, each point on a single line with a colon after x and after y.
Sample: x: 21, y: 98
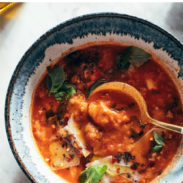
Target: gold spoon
x: 135, y: 94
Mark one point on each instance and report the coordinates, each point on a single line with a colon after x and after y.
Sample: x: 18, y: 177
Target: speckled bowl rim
x: 42, y: 38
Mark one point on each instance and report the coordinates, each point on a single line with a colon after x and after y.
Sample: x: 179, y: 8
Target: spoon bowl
x: 138, y: 98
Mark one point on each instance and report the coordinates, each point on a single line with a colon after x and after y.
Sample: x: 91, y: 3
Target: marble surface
x: 21, y: 26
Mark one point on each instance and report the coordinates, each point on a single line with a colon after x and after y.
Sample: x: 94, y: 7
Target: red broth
x: 118, y: 130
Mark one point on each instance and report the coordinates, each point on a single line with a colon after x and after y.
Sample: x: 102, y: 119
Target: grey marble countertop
x: 27, y: 22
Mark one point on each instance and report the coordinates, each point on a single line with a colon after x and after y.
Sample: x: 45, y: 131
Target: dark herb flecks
x: 118, y: 157
x: 135, y: 165
x: 136, y: 135
x: 51, y: 117
x: 155, y: 91
x: 131, y: 105
x: 142, y: 125
x: 126, y: 156
x: 128, y: 175
x: 49, y: 114
x: 113, y: 105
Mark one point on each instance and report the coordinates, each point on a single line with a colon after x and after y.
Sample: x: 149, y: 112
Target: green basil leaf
x: 94, y: 85
x: 66, y: 91
x: 55, y: 83
x: 59, y: 95
x: 156, y: 148
x: 138, y: 55
x: 55, y: 79
x: 69, y: 89
x: 133, y: 57
x: 158, y: 139
x: 92, y: 174
x: 123, y: 59
x: 48, y: 82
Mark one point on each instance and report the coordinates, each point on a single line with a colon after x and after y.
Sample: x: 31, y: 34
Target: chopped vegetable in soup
x: 101, y: 138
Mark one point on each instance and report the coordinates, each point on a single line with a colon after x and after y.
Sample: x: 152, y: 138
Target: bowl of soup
x: 58, y: 132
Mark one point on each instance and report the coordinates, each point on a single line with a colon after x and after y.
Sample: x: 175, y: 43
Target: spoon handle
x: 168, y: 126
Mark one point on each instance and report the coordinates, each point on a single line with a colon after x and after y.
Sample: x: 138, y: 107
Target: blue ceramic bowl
x: 95, y: 28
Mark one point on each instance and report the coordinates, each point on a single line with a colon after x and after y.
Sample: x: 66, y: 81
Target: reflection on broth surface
x: 102, y: 138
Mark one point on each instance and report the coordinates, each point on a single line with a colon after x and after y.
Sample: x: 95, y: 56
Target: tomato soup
x: 102, y: 138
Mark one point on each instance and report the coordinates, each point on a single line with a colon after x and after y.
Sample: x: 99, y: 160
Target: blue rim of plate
x: 42, y: 38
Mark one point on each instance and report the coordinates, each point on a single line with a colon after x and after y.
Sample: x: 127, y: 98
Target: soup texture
x: 101, y: 138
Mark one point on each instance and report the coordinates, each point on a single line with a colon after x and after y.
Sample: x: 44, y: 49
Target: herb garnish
x: 94, y: 85
x: 126, y: 156
x: 51, y: 117
x: 113, y: 105
x: 135, y: 165
x: 128, y: 175
x: 136, y: 135
x: 132, y: 57
x: 66, y: 91
x: 159, y: 143
x: 55, y: 79
x: 142, y: 125
x: 49, y: 114
x: 55, y: 82
x: 92, y: 174
x: 118, y: 157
